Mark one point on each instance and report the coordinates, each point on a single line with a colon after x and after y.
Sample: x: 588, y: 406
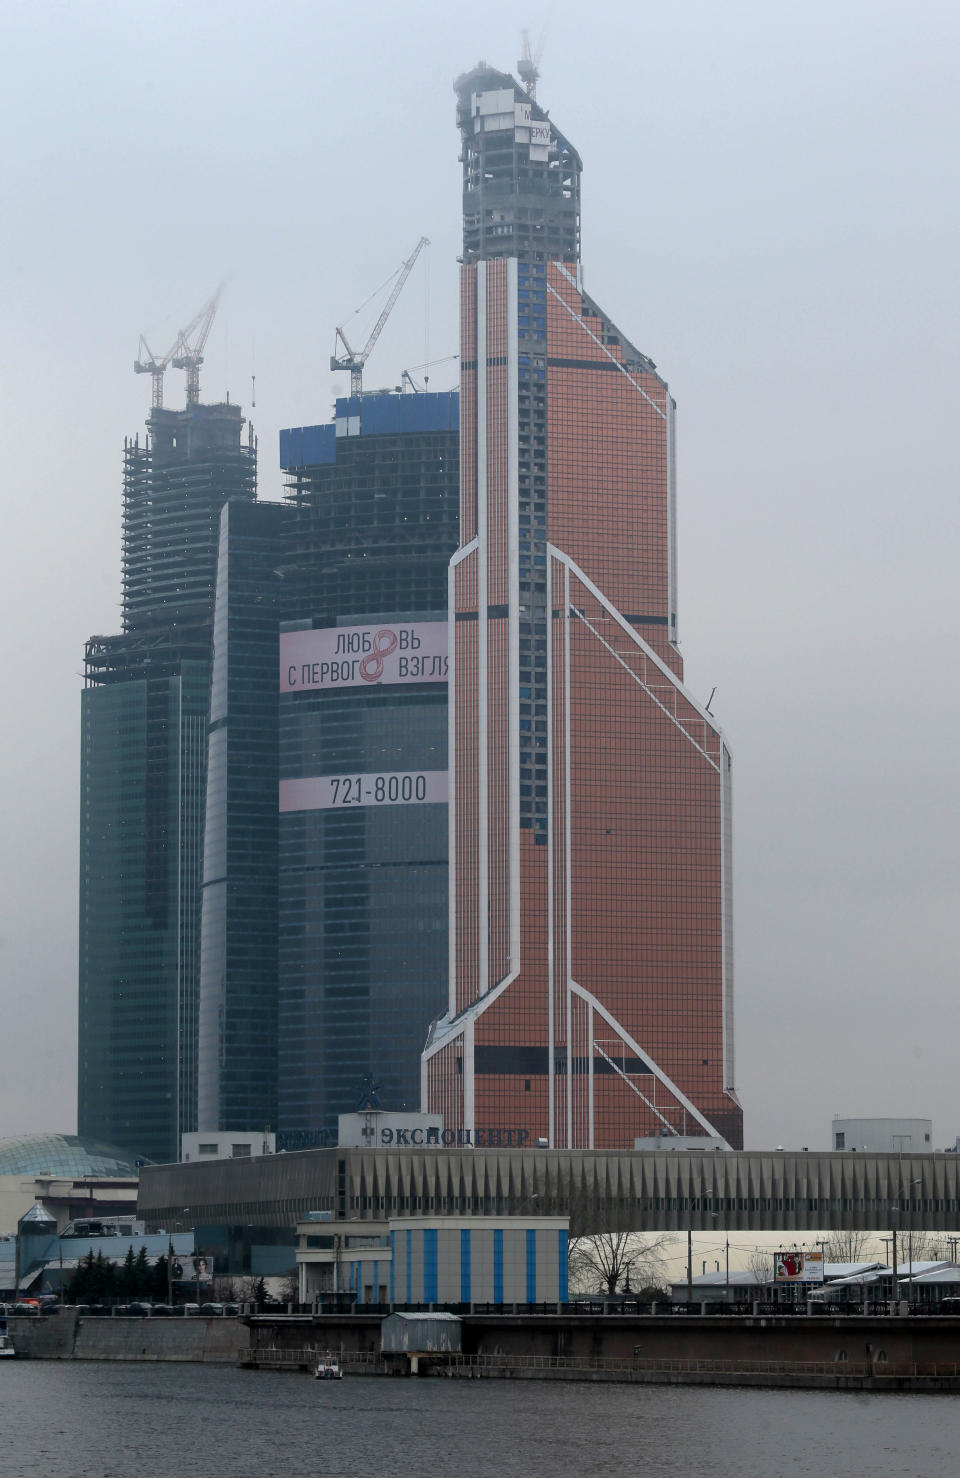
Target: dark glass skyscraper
x: 363, y: 755
x: 237, y: 1087
x: 143, y: 762
x: 591, y: 969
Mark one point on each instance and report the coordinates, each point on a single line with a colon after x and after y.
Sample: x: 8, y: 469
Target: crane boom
x: 354, y: 361
x: 189, y: 355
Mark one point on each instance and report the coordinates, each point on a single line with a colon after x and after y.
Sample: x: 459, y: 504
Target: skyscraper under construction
x: 591, y: 966
x: 143, y: 766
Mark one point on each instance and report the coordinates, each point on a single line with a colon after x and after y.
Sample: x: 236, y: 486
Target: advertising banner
x: 190, y: 1269
x: 798, y: 1267
x: 343, y: 792
x: 359, y: 656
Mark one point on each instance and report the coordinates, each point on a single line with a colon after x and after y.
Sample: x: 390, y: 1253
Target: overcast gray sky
x: 770, y: 210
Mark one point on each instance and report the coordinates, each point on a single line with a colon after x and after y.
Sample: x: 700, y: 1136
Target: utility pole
x: 689, y: 1265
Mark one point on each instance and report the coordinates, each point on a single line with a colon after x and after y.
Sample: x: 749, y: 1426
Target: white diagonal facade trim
x: 657, y: 1071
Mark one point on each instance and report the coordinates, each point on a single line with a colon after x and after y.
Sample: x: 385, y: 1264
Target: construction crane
x: 353, y: 361
x: 528, y: 67
x: 406, y: 377
x: 189, y: 355
x: 148, y: 363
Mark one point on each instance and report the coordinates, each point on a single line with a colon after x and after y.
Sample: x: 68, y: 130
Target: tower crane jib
x: 351, y: 359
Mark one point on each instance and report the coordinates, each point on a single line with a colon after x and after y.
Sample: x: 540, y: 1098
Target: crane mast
x: 148, y: 363
x: 528, y: 67
x: 353, y: 360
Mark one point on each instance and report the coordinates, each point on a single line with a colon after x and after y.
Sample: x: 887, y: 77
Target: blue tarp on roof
x: 306, y: 446
x: 379, y: 415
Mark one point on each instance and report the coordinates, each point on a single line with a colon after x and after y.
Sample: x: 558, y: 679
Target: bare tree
x: 290, y: 1289
x: 760, y: 1263
x: 618, y: 1262
x: 246, y: 1290
x: 847, y: 1245
x: 925, y: 1247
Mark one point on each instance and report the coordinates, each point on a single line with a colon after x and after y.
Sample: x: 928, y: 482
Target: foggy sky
x: 770, y: 211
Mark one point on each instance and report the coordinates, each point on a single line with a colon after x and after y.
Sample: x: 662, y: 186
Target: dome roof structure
x: 67, y: 1155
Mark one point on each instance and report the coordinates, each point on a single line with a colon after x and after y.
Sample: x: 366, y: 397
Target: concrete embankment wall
x: 729, y: 1338
x: 64, y: 1336
x: 843, y: 1353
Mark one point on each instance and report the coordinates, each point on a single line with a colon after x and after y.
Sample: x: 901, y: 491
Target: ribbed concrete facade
x: 600, y: 1191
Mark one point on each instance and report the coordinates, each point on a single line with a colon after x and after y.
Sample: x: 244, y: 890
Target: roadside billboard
x: 798, y: 1267
x: 191, y: 1270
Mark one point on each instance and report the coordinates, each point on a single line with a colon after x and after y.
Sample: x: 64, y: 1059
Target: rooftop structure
x: 521, y: 175
x: 64, y: 1155
x: 879, y: 1136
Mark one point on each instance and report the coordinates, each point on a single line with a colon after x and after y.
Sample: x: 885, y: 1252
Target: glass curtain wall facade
x: 237, y: 1068
x: 591, y: 970
x: 363, y: 756
x: 143, y: 763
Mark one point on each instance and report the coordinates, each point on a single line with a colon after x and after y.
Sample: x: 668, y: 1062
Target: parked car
x: 211, y: 1308
x: 189, y: 1309
x: 162, y: 1310
x: 231, y: 1310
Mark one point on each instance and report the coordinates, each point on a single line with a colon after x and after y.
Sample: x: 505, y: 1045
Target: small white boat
x: 328, y: 1367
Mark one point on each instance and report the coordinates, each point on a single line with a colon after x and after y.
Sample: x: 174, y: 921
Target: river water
x: 104, y: 1420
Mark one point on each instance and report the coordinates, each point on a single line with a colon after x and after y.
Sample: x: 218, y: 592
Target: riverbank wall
x: 844, y: 1353
x: 67, y: 1336
x: 874, y: 1353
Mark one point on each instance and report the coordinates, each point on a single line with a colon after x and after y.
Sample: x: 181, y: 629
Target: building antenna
x: 253, y: 392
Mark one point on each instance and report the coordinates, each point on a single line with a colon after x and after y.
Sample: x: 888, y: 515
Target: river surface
x: 104, y: 1420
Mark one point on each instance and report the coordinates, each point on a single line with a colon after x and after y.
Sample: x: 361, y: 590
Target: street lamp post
x: 898, y: 1209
